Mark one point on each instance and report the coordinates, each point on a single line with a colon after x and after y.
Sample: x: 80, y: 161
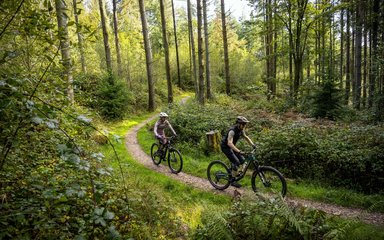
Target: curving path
x: 139, y: 155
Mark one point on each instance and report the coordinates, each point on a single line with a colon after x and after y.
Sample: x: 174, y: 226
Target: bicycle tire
x: 274, y: 183
x: 155, y: 154
x: 219, y: 175
x: 175, y: 161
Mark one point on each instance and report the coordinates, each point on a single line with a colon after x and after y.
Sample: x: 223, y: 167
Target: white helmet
x: 241, y: 119
x: 163, y: 114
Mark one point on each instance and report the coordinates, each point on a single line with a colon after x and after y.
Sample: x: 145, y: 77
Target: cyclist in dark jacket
x: 228, y: 144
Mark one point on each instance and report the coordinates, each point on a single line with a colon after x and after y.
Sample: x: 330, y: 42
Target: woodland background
x: 308, y: 74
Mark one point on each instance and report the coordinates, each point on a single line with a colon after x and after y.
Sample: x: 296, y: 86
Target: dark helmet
x: 241, y: 119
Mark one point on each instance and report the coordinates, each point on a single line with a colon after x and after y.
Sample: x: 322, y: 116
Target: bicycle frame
x: 168, y: 146
x: 249, y: 159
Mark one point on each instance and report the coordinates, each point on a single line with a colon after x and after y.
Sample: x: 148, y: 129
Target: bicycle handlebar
x: 249, y: 153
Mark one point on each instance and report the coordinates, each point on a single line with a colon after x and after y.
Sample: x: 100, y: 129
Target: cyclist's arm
x: 248, y: 139
x: 170, y: 127
x: 155, y: 129
x: 230, y: 142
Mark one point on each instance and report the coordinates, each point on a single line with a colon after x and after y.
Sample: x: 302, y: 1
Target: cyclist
x: 159, y: 128
x: 228, y: 145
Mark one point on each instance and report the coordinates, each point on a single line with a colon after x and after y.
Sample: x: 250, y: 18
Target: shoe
x: 236, y: 184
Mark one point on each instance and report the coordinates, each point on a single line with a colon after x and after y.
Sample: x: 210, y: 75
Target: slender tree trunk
x: 62, y: 23
x: 375, y: 52
x: 166, y: 52
x: 117, y: 42
x: 341, y: 48
x: 79, y: 38
x: 225, y: 46
x: 290, y: 36
x: 200, y: 52
x: 274, y: 63
x: 148, y: 57
x: 176, y: 45
x: 358, y: 49
x: 105, y: 37
x: 207, y: 63
x: 269, y: 48
x: 348, y: 59
x: 364, y: 100
x: 192, y: 44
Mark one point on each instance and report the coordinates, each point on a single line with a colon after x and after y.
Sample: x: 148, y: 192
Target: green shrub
x: 326, y: 101
x: 268, y: 219
x: 351, y: 158
x: 113, y: 99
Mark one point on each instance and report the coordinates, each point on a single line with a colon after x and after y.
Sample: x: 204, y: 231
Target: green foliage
x: 112, y: 98
x: 191, y: 121
x: 108, y: 95
x: 326, y: 101
x: 268, y: 219
x: 379, y: 108
x: 349, y: 157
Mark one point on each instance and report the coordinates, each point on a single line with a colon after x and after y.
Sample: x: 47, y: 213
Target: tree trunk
x: 225, y: 46
x: 148, y: 57
x: 348, y: 58
x: 341, y: 73
x: 200, y: 52
x: 117, y: 42
x: 105, y: 37
x: 268, y: 47
x: 365, y: 57
x: 358, y: 49
x: 79, y: 38
x: 207, y: 63
x: 166, y: 52
x: 62, y: 23
x: 176, y: 45
x: 375, y: 52
x: 192, y: 44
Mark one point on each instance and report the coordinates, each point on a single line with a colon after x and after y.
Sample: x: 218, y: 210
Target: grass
x: 189, y: 203
x: 196, y: 163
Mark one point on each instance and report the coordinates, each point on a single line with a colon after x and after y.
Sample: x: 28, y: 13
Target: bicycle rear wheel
x: 270, y: 182
x: 156, y: 154
x: 218, y: 175
x: 175, y: 161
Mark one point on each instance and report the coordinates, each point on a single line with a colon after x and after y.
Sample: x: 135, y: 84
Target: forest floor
x: 139, y: 155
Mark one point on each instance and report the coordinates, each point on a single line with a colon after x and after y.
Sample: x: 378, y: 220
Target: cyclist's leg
x: 240, y: 158
x: 232, y: 157
x: 235, y: 163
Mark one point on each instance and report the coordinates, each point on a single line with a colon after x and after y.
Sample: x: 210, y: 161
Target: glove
x: 254, y: 146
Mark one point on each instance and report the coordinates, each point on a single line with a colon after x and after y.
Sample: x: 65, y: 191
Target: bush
x: 268, y: 219
x: 326, y: 101
x: 350, y: 158
x: 113, y: 99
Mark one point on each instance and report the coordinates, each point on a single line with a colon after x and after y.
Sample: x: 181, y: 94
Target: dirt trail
x: 139, y: 155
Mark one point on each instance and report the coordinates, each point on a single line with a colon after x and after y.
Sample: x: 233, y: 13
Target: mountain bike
x: 265, y: 179
x: 168, y: 153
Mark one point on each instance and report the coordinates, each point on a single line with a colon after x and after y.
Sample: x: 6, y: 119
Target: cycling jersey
x: 161, y: 126
x: 236, y: 137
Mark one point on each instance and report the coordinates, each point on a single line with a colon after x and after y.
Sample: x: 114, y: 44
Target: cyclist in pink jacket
x: 159, y: 128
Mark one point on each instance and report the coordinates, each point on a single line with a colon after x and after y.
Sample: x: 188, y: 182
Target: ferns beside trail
x: 268, y: 219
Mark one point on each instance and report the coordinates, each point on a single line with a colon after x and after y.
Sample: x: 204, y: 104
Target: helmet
x: 163, y: 114
x: 241, y: 119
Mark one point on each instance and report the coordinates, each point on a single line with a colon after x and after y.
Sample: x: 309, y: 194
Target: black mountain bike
x: 168, y: 153
x: 265, y: 179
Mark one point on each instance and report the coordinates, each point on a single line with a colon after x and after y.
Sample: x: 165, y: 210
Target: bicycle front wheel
x: 218, y: 175
x: 175, y: 161
x: 270, y: 182
x: 156, y: 154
